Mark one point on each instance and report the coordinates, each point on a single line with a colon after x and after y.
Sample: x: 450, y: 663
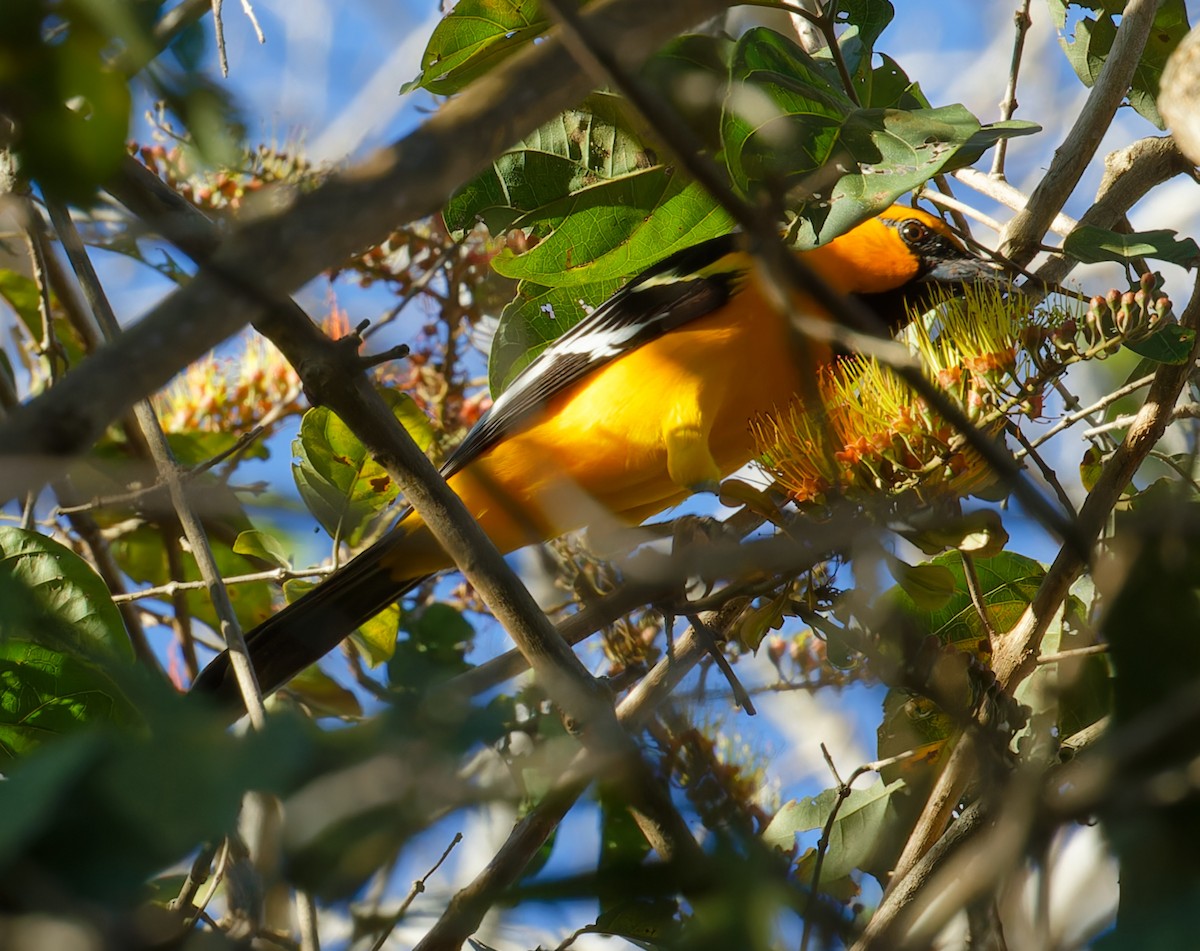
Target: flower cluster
x: 871, y: 433
x: 226, y: 189
x: 218, y: 394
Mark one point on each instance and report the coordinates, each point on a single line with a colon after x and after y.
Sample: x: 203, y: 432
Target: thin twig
x: 1011, y: 197
x: 1044, y: 467
x: 1183, y: 411
x: 418, y: 887
x: 1105, y: 401
x: 843, y: 793
x: 975, y: 590
x: 151, y: 431
x: 950, y: 203
x: 306, y: 915
x: 171, y: 588
x: 823, y: 22
x: 132, y: 496
x: 219, y: 35
x: 740, y: 696
x: 1008, y: 104
x: 1079, y: 144
x: 1072, y: 654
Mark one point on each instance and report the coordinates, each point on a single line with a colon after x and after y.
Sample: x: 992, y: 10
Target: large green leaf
x: 598, y: 141
x: 616, y: 228
x: 783, y: 116
x: 60, y: 633
x: 64, y: 588
x: 864, y: 836
x: 1090, y: 244
x: 789, y: 128
x: 1008, y: 582
x: 865, y: 20
x: 1088, y: 51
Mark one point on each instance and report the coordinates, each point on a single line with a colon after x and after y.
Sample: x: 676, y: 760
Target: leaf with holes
x: 341, y: 484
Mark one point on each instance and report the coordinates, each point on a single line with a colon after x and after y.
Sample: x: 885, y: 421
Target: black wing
x: 688, y: 284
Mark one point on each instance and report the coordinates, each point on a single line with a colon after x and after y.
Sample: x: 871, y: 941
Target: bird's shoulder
x: 682, y: 287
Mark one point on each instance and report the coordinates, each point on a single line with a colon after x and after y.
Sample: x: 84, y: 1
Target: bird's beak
x: 966, y: 270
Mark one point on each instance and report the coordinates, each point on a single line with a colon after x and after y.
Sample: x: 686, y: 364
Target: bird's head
x: 902, y: 260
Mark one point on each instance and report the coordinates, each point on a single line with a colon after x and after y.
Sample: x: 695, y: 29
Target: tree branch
x: 1024, y: 232
x: 266, y: 259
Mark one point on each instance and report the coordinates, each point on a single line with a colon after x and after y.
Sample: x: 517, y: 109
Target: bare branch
x: 1025, y: 230
x: 266, y: 259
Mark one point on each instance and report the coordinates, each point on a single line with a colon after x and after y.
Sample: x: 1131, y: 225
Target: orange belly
x: 599, y: 446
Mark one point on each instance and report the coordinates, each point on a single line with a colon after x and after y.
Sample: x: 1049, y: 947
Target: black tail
x: 308, y: 629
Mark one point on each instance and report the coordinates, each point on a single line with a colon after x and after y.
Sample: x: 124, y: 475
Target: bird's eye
x: 913, y: 232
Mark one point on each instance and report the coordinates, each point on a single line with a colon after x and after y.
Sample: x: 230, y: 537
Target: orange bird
x: 645, y: 400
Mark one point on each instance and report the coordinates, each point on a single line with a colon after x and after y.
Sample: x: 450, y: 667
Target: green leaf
x: 864, y: 835
x: 64, y: 592
x: 598, y: 141
x: 622, y: 846
x: 341, y: 484
x: 69, y: 151
x: 62, y: 641
x: 473, y: 38
x: 783, y: 117
x: 786, y: 125
x: 434, y: 651
x: 616, y: 229
x: 1093, y: 40
x: 324, y: 695
x: 258, y: 544
x: 377, y: 637
x: 197, y: 447
x: 1090, y: 467
x: 692, y: 74
x: 980, y: 533
x: 887, y: 86
x: 1008, y: 582
x: 645, y: 921
x: 868, y: 18
x: 534, y: 319
x: 1170, y: 344
x: 1090, y: 244
x: 46, y: 694
x: 929, y: 586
